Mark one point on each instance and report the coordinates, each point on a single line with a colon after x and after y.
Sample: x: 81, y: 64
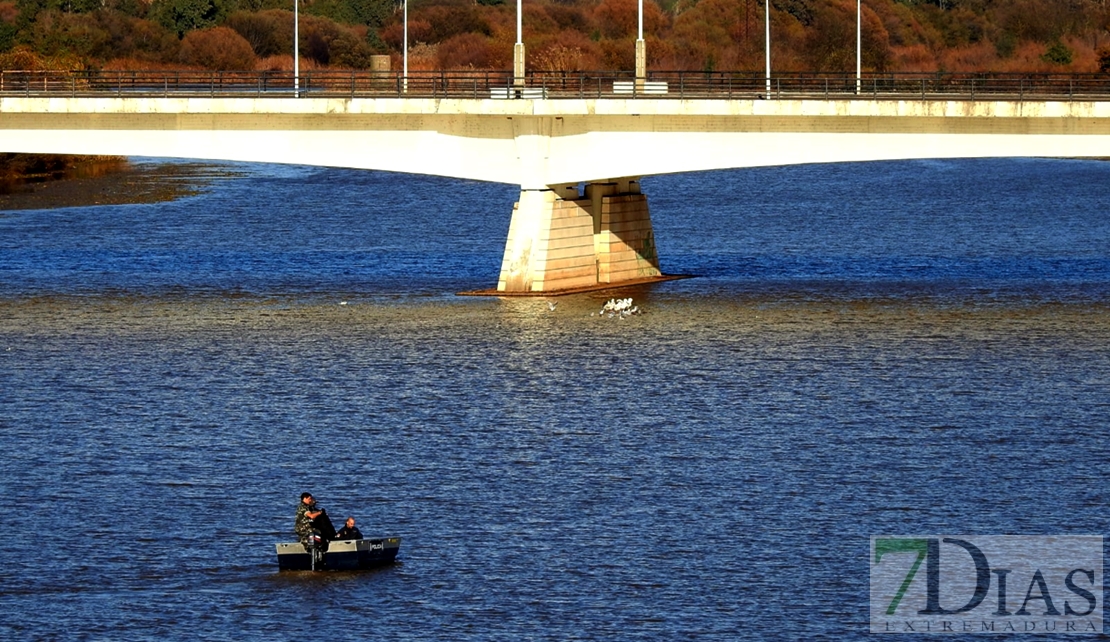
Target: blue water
x: 914, y: 347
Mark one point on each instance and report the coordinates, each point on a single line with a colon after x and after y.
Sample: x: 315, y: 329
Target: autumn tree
x: 349, y: 51
x: 716, y: 34
x: 448, y: 20
x: 317, y: 34
x: 565, y: 51
x: 420, y: 31
x: 9, y: 15
x: 218, y: 48
x: 830, y: 45
x: 269, y: 32
x: 23, y: 58
x: 620, y: 18
x: 566, y: 35
x: 57, y: 33
x: 472, y: 51
x: 135, y: 38
x: 183, y: 16
x: 372, y: 13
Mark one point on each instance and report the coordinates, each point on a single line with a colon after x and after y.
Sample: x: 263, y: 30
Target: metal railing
x: 557, y: 85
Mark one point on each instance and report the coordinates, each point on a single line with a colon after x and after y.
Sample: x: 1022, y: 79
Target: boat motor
x: 315, y: 546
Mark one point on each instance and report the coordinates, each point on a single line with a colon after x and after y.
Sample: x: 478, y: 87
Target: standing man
x: 307, y: 512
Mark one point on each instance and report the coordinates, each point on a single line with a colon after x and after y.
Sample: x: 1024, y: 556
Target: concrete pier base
x: 560, y: 240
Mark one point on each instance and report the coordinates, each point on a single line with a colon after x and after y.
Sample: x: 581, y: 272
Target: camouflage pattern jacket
x: 303, y: 524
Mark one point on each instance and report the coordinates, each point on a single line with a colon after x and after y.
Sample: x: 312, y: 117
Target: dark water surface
x: 894, y: 348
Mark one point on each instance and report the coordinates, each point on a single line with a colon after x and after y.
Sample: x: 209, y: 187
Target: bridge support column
x: 560, y: 240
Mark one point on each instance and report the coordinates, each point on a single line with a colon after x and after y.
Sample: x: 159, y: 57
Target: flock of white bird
x: 619, y: 308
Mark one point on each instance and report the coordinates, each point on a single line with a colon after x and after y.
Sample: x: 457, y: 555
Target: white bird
x: 619, y: 308
x: 551, y: 305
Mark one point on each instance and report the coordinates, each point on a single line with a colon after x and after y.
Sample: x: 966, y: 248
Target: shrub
x: 371, y: 13
x: 452, y: 20
x: 349, y: 51
x: 21, y: 58
x: 565, y: 51
x: 1058, y: 54
x: 55, y: 33
x: 218, y: 48
x: 24, y: 59
x: 317, y: 34
x: 131, y: 37
x: 183, y: 16
x: 269, y: 33
x: 620, y: 18
x: 472, y: 51
x: 1104, y: 60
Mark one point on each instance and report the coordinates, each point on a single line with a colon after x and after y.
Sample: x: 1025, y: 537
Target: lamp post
x: 296, y: 49
x: 858, y: 47
x: 518, y: 51
x: 767, y: 43
x: 641, y: 50
x: 405, y: 55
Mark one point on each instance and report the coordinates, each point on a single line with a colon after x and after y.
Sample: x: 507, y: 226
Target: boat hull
x: 342, y: 555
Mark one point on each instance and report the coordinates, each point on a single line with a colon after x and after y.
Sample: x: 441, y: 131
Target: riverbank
x: 113, y: 182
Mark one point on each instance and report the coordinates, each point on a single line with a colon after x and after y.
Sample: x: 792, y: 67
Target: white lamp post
x: 296, y: 49
x: 518, y: 51
x: 858, y: 47
x: 767, y: 43
x: 641, y: 50
x: 405, y: 55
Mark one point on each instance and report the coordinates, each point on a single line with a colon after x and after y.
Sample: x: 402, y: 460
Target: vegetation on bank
x: 17, y: 168
x: 560, y: 35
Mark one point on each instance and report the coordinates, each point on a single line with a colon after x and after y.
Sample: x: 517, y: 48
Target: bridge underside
x: 559, y: 240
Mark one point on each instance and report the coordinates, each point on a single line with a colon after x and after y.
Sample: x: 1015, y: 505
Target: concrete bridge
x: 581, y: 220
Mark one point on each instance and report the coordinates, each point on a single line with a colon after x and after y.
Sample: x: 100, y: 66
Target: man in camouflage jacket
x: 306, y: 512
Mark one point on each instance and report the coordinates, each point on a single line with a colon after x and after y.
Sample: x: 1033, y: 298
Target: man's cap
x: 306, y: 495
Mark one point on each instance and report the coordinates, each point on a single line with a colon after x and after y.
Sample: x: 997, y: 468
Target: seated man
x: 312, y: 520
x: 350, y: 531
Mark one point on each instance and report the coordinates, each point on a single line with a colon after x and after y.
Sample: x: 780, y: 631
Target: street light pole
x: 767, y: 43
x: 518, y: 51
x: 641, y: 50
x: 858, y: 46
x: 296, y: 49
x: 405, y: 55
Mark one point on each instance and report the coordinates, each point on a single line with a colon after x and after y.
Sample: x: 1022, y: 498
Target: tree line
x: 559, y: 35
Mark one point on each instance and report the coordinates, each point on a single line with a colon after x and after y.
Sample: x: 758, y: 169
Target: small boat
x: 341, y: 555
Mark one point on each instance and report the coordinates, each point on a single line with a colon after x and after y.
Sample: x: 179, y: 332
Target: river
x: 864, y: 349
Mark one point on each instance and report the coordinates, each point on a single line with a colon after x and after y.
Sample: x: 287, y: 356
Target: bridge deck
x: 551, y: 135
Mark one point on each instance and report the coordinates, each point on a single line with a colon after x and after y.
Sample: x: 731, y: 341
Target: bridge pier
x: 561, y: 240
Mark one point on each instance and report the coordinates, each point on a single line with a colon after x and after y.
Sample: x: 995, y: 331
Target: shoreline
x: 121, y: 183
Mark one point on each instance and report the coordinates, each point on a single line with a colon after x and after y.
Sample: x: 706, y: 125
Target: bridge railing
x: 556, y: 85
